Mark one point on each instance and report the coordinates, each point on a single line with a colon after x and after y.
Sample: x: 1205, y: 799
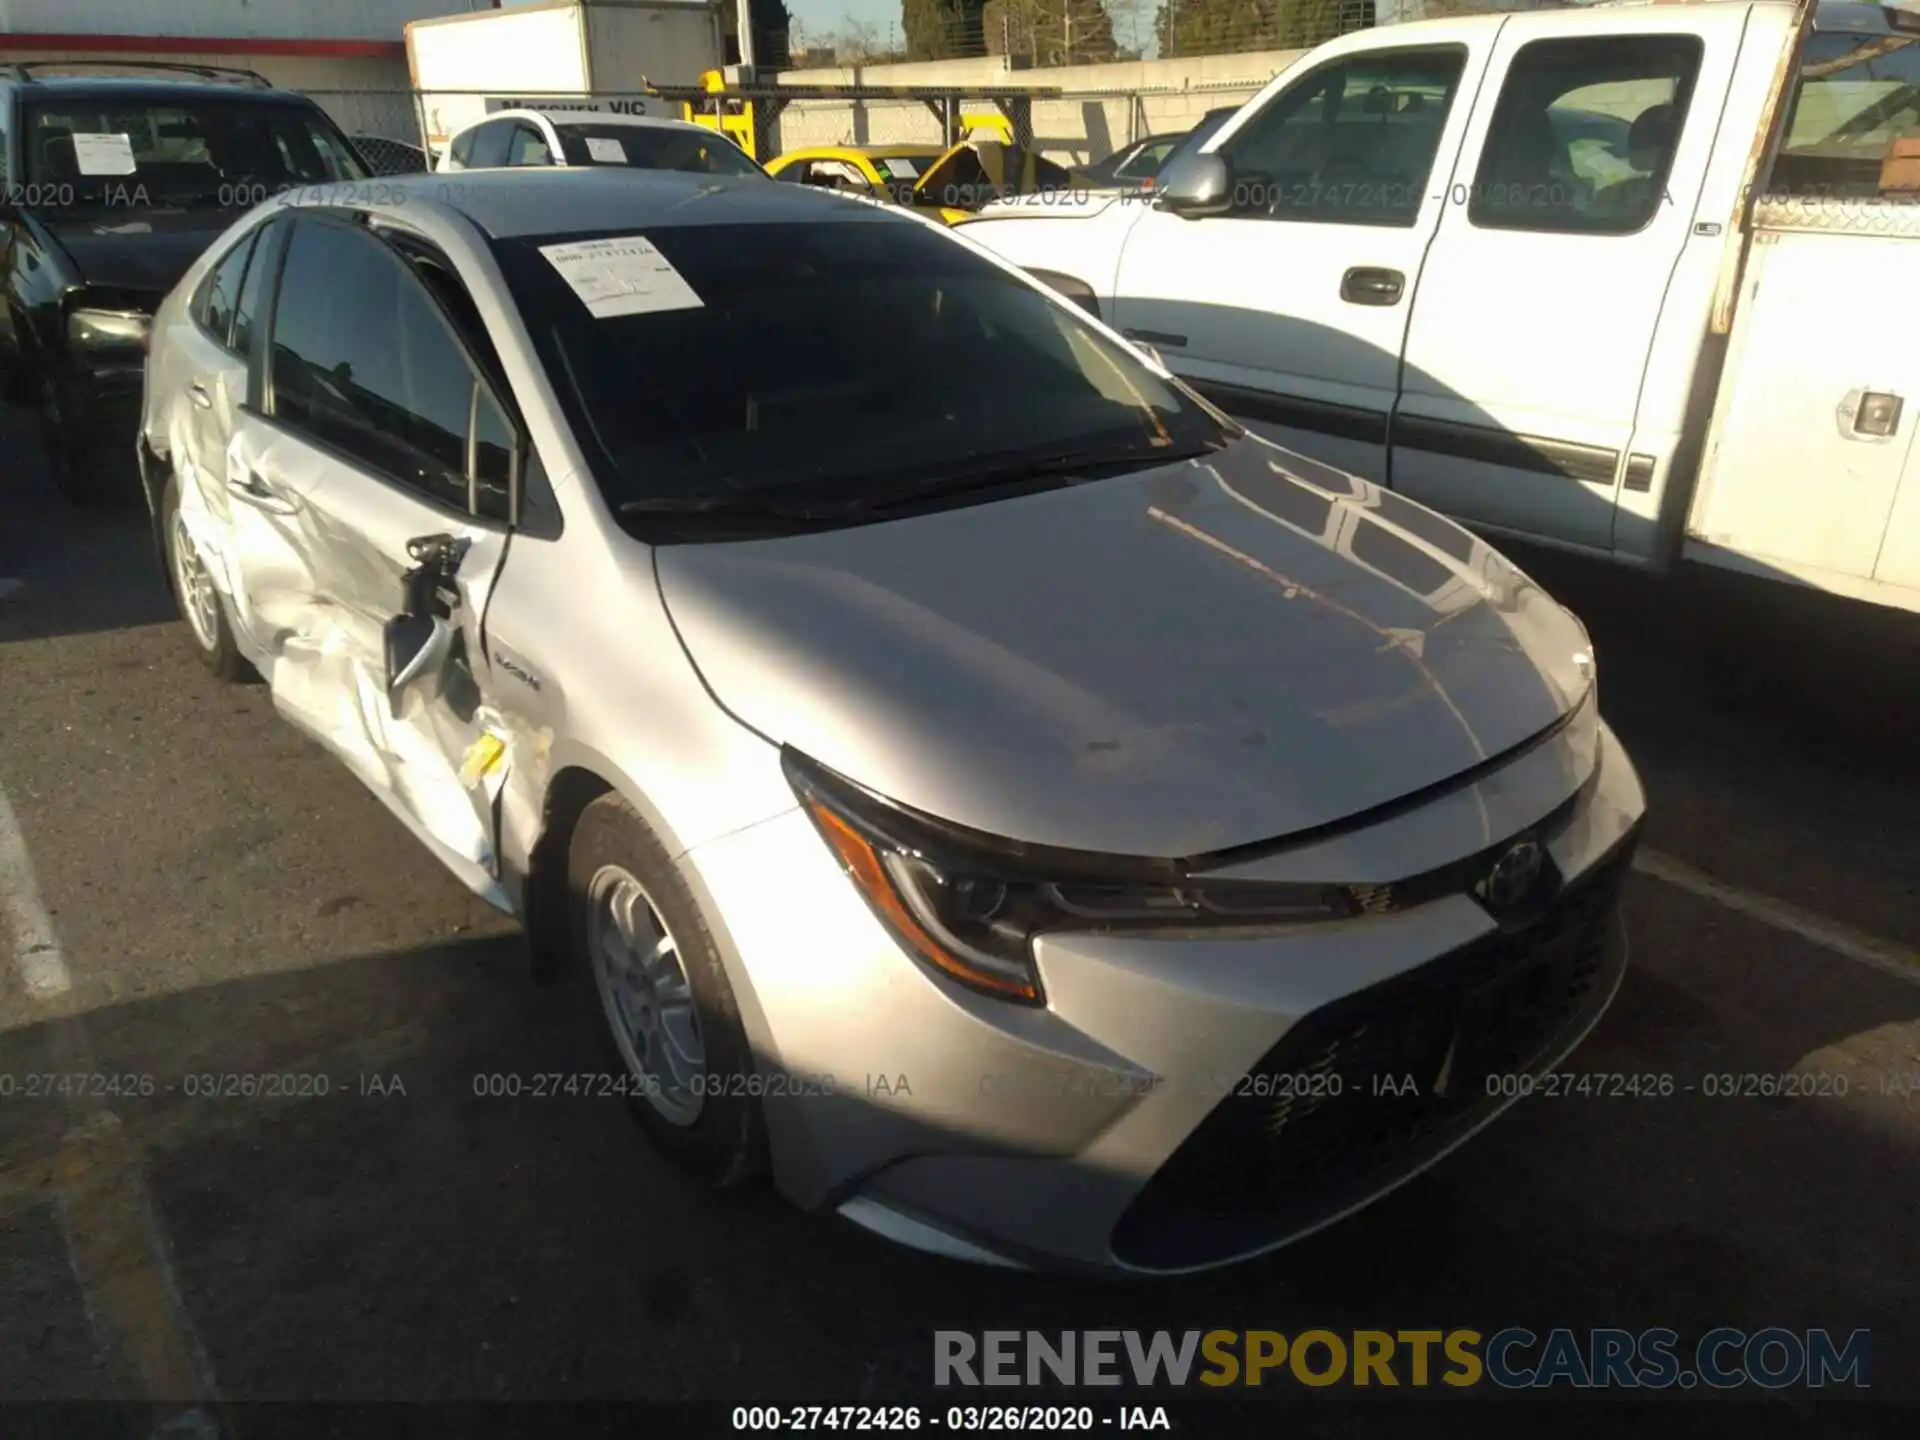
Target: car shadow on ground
x: 411, y: 1234
x: 66, y: 570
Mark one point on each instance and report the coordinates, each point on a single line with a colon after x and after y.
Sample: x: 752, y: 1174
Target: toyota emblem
x: 1515, y: 874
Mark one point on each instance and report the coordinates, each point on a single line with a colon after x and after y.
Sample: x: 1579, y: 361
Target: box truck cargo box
x: 563, y: 57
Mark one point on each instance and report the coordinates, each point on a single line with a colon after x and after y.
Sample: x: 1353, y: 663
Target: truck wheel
x: 659, y: 998
x: 194, y: 592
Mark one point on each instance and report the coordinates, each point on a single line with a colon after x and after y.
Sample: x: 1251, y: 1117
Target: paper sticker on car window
x: 606, y: 151
x: 898, y: 169
x: 621, y: 277
x: 103, y: 154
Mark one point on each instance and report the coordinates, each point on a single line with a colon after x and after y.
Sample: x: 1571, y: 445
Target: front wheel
x: 658, y: 994
x: 194, y: 592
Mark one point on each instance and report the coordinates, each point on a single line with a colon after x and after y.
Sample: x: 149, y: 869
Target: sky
x: 820, y: 16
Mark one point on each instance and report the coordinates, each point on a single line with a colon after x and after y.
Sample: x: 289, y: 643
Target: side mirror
x: 416, y: 645
x: 1195, y: 187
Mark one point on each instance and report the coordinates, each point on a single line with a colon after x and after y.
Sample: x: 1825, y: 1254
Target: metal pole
x: 743, y: 22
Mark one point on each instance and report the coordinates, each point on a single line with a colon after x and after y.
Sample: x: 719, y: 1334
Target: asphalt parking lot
x: 220, y: 897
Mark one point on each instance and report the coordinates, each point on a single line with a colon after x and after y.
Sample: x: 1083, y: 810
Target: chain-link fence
x: 401, y: 132
x: 1074, y: 32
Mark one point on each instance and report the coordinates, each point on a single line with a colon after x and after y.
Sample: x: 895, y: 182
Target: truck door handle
x: 257, y: 493
x: 1370, y: 285
x: 197, y: 393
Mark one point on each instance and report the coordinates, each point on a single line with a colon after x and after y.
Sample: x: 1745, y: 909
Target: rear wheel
x: 658, y: 994
x: 194, y: 591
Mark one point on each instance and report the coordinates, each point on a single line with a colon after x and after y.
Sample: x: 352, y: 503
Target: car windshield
x: 654, y: 147
x: 230, y: 152
x: 832, y: 361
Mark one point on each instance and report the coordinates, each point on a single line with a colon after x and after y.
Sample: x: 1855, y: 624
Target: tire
x: 614, y: 862
x: 208, y: 630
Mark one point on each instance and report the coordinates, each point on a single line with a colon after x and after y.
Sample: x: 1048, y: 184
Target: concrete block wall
x: 1101, y: 108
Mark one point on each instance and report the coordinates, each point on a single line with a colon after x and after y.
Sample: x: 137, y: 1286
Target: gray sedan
x: 973, y: 783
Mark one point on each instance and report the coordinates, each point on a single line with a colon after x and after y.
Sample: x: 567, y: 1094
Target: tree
x: 1050, y: 32
x: 941, y: 29
x: 1217, y: 27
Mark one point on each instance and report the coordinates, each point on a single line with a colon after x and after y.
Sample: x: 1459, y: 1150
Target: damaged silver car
x: 974, y: 783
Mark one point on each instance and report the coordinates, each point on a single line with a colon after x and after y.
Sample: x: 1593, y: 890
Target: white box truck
x: 594, y: 56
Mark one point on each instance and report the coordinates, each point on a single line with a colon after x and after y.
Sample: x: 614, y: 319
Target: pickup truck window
x: 1854, y: 130
x: 1351, y: 144
x: 1583, y: 134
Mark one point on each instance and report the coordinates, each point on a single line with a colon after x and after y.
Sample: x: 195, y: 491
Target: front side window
x: 230, y: 152
x: 528, y: 147
x: 364, y: 361
x: 491, y: 142
x: 850, y: 358
x: 654, y: 147
x: 220, y: 292
x: 1584, y: 133
x: 1854, y: 129
x: 1352, y: 144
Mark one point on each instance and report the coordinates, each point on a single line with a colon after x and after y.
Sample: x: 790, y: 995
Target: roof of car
x: 507, y: 204
x: 146, y: 87
x: 594, y: 117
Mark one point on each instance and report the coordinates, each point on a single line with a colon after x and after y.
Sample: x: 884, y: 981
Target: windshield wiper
x: 1089, y: 464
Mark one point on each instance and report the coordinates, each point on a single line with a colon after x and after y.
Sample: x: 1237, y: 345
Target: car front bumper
x: 1180, y: 1102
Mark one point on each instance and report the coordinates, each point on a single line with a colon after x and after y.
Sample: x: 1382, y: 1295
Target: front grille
x: 1368, y: 1089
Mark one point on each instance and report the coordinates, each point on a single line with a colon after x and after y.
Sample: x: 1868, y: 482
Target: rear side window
x: 220, y: 292
x: 1584, y: 134
x: 246, y: 310
x: 1854, y: 129
x: 364, y: 361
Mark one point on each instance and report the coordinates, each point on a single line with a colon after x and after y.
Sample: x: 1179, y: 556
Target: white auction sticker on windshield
x: 606, y: 150
x: 103, y: 154
x: 621, y: 277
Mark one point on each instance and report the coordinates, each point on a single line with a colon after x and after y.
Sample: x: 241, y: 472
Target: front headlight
x: 109, y: 329
x: 969, y: 905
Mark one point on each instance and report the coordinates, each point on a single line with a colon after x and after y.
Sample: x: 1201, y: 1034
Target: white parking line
x: 36, y: 949
x: 1863, y: 949
x: 116, y: 1246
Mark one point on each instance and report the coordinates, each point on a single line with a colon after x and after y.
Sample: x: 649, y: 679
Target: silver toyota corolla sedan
x: 974, y: 783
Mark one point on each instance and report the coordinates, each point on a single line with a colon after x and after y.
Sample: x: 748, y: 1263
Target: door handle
x: 257, y: 493
x: 1371, y: 285
x: 197, y: 393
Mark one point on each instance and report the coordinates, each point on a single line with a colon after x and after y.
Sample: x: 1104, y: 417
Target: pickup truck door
x: 1290, y: 311
x: 1534, y: 321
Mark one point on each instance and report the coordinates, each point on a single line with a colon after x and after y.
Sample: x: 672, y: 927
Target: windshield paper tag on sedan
x: 103, y: 154
x: 621, y: 277
x: 606, y: 151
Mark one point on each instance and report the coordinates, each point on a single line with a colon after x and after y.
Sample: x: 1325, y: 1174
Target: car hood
x: 1207, y: 654
x: 146, y: 251
x: 1059, y: 205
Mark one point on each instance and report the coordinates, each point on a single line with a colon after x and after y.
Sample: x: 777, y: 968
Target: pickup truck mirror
x: 1196, y: 186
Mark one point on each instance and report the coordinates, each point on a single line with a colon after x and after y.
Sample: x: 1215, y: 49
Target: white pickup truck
x: 1639, y: 280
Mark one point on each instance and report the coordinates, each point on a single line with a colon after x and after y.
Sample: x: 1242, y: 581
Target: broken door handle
x: 1370, y: 285
x: 258, y: 494
x: 198, y: 394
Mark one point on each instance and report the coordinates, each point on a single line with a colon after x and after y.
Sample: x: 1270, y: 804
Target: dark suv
x: 110, y: 187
